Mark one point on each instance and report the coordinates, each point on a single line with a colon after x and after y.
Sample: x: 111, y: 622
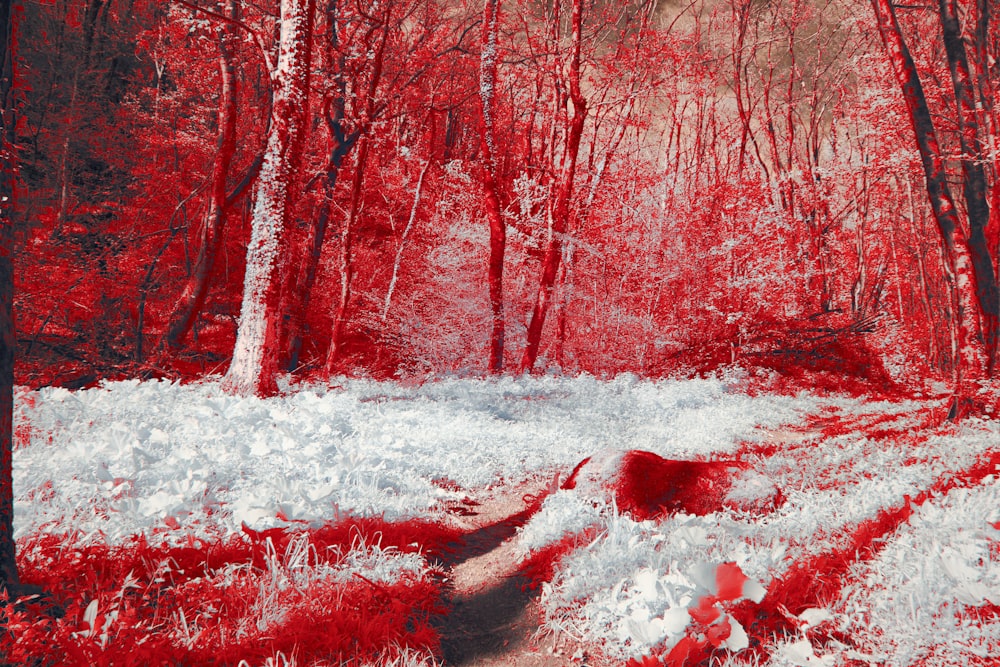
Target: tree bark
x: 255, y: 360
x: 410, y: 222
x: 342, y: 142
x: 8, y: 174
x: 192, y: 297
x: 298, y: 294
x: 973, y: 173
x: 560, y: 211
x: 971, y: 364
x: 336, y: 349
x: 491, y: 198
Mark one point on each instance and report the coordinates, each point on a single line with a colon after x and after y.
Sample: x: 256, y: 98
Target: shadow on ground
x: 486, y: 621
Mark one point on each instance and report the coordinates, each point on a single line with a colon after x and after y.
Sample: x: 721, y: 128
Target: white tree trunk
x: 255, y: 363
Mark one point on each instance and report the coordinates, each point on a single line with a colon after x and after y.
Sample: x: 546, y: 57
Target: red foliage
x: 811, y: 582
x: 649, y: 486
x: 710, y: 628
x: 705, y: 611
x: 688, y: 651
x: 729, y: 581
x: 221, y: 602
x: 713, y: 257
x: 541, y: 565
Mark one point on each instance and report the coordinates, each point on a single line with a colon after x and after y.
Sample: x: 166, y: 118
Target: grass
x: 355, y: 593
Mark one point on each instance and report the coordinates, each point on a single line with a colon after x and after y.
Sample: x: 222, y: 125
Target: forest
x: 416, y: 188
x: 562, y: 333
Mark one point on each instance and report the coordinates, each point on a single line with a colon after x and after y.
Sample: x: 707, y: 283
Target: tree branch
x: 240, y: 24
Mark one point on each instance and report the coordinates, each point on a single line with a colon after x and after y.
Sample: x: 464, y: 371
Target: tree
x: 560, y: 209
x: 960, y: 257
x: 254, y: 365
x: 8, y: 173
x: 195, y: 289
x: 374, y: 60
x: 491, y: 200
x: 297, y: 292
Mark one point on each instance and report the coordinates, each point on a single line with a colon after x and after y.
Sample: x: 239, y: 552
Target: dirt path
x: 493, y: 619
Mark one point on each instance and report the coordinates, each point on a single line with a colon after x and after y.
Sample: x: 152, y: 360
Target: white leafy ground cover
x: 172, y: 461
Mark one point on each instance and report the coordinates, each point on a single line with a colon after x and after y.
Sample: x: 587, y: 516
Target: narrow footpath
x: 493, y: 618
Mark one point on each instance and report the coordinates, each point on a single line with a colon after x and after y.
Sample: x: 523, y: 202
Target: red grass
x: 220, y: 603
x: 541, y: 565
x: 648, y: 486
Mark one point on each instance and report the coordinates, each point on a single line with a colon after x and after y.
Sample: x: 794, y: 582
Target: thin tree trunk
x: 971, y: 364
x: 64, y: 178
x: 491, y: 199
x: 860, y: 285
x: 297, y: 294
x: 397, y: 263
x: 560, y: 212
x: 897, y: 276
x: 192, y: 297
x: 925, y: 290
x: 335, y: 351
x: 8, y: 170
x: 254, y: 365
x: 741, y: 15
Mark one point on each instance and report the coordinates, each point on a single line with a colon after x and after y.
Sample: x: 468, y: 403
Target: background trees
x: 970, y: 256
x: 576, y: 186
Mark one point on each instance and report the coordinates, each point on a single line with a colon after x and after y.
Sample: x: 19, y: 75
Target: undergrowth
x: 354, y: 593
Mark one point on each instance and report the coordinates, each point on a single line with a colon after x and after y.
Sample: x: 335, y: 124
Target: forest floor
x: 368, y: 521
x: 495, y: 620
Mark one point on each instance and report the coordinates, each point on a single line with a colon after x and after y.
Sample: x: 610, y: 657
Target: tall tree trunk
x: 973, y: 173
x: 491, y: 198
x: 971, y: 364
x: 297, y: 295
x: 192, y: 297
x: 8, y: 173
x: 560, y: 211
x: 255, y: 355
x: 336, y: 349
x: 297, y: 292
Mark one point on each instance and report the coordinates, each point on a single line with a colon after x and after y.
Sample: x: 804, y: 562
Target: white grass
x: 169, y: 460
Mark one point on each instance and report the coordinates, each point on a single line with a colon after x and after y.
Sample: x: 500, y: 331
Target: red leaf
x: 719, y: 632
x: 682, y: 652
x: 705, y: 612
x: 729, y: 581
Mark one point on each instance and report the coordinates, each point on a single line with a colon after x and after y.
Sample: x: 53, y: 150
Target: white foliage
x: 128, y: 456
x: 136, y: 457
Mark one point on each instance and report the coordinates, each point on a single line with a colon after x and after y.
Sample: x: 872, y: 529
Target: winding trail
x: 493, y: 619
